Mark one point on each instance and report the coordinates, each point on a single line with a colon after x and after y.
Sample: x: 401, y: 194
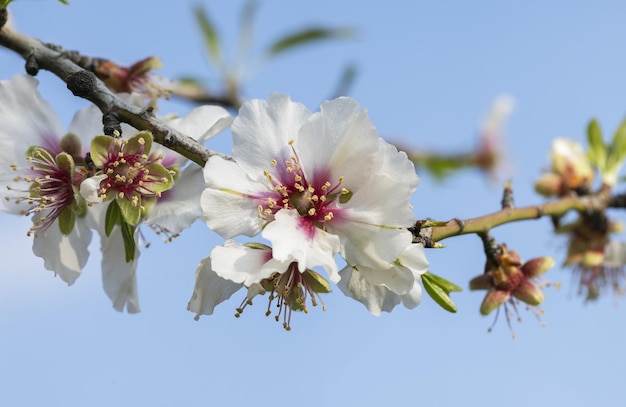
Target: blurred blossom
x: 490, y: 150
x: 571, y: 170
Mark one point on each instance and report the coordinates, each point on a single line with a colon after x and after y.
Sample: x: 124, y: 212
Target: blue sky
x: 428, y: 72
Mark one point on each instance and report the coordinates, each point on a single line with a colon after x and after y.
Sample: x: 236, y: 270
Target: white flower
x: 314, y: 184
x: 234, y: 266
x: 382, y: 289
x: 42, y: 181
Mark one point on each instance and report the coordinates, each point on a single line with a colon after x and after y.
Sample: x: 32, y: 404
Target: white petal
x: 294, y: 240
x: 414, y: 258
x: 398, y: 280
x: 210, y: 290
x: 179, y: 207
x: 263, y: 129
x: 226, y: 203
x: 397, y: 166
x: 375, y: 298
x: 65, y: 255
x: 118, y: 275
x: 244, y: 265
x: 90, y: 188
x: 371, y: 246
x: 27, y: 120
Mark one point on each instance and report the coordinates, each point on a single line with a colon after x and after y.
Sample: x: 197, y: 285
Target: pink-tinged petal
x: 493, y: 300
x: 119, y: 276
x: 65, y: 255
x: 227, y: 206
x: 209, y: 290
x: 294, y: 239
x: 179, y: 207
x: 375, y: 298
x: 244, y: 265
x: 263, y: 129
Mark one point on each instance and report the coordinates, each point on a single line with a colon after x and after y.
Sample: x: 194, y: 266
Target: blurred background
x: 428, y: 73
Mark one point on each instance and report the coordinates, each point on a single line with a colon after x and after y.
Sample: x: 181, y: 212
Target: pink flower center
x: 316, y: 199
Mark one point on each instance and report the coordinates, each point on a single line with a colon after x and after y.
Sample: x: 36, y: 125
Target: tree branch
x: 85, y: 84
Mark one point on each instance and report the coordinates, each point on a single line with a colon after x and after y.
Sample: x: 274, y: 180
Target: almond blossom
x: 313, y: 184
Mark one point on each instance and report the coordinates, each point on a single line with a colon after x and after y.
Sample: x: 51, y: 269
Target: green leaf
x: 210, y: 35
x: 307, y: 36
x: 437, y: 293
x: 112, y: 218
x: 597, y: 148
x: 5, y: 3
x: 617, y: 149
x: 128, y: 235
x: 446, y: 285
x: 64, y: 2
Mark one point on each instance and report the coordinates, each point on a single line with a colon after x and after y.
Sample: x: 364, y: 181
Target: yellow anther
x: 141, y: 141
x: 274, y: 162
x: 344, y: 191
x: 312, y: 211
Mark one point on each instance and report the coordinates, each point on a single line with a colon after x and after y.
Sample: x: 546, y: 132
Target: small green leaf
x: 437, y: 293
x: 446, y: 285
x: 64, y: 2
x: 307, y: 36
x: 128, y: 235
x: 617, y: 149
x: 597, y: 148
x: 112, y: 218
x: 210, y: 35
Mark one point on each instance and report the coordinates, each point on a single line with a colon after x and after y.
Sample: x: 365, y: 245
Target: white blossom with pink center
x: 314, y: 184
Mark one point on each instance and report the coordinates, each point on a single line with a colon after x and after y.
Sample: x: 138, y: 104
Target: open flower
x: 507, y: 276
x: 40, y: 171
x: 233, y: 266
x: 314, y: 184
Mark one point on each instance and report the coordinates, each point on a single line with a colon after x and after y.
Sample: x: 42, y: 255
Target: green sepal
x: 446, y: 285
x: 597, y: 148
x: 112, y: 218
x: 438, y: 293
x: 344, y: 198
x: 317, y: 283
x: 128, y: 236
x: 257, y: 246
x: 130, y: 213
x: 134, y: 144
x: 99, y: 149
x: 66, y: 163
x: 67, y: 220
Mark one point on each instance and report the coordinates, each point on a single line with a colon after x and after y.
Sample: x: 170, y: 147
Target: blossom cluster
x: 314, y: 186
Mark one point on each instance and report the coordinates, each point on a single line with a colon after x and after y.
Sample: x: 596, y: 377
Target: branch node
x: 460, y: 223
x: 32, y: 66
x: 112, y: 126
x: 82, y: 84
x: 169, y: 140
x: 4, y: 16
